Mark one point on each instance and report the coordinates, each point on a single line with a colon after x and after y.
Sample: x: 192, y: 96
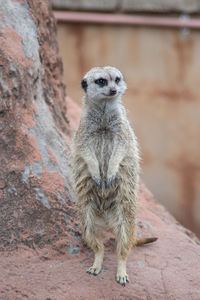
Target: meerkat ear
x: 84, y: 84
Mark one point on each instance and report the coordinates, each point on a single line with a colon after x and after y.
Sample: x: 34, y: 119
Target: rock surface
x: 168, y: 269
x: 36, y: 200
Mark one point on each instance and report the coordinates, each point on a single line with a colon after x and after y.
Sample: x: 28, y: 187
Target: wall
x: 130, y: 6
x: 161, y: 67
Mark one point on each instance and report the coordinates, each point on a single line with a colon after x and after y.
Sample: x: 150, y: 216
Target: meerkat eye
x: 101, y: 82
x: 117, y: 80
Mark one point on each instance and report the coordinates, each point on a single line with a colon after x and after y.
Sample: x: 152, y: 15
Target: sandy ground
x: 168, y: 269
x: 27, y: 274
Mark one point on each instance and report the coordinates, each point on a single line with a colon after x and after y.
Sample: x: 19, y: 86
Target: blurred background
x: 160, y: 60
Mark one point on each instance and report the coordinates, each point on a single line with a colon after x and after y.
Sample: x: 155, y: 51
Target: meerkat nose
x: 113, y: 91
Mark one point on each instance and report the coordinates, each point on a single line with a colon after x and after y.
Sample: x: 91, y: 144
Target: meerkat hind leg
x: 98, y: 260
x: 125, y: 241
x: 94, y: 241
x: 122, y: 276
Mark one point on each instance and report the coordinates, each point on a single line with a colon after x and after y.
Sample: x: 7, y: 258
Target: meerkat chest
x: 103, y: 130
x: 106, y: 127
x: 103, y: 142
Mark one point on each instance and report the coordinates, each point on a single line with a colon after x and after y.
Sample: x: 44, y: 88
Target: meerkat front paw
x: 122, y: 279
x: 98, y: 181
x: 94, y: 270
x: 110, y: 180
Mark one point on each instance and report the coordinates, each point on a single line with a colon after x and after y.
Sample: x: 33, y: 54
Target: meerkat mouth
x: 109, y: 96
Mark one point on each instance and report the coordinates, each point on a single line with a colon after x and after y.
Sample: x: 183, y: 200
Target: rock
x: 36, y: 197
x: 166, y: 269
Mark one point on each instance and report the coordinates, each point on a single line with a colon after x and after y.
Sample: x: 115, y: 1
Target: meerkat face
x: 104, y: 83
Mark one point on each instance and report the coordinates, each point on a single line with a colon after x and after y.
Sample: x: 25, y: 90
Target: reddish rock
x: 37, y: 201
x: 168, y: 269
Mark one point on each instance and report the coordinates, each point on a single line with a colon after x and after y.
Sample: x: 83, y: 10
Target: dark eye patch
x: 117, y: 80
x: 101, y: 82
x: 84, y: 84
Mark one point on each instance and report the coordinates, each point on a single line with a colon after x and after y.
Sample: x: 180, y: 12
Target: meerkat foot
x: 122, y: 279
x: 122, y: 276
x: 94, y: 270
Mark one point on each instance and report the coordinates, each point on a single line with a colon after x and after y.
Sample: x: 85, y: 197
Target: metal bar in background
x: 119, y: 19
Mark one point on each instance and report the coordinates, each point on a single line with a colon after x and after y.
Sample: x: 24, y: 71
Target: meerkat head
x: 103, y: 83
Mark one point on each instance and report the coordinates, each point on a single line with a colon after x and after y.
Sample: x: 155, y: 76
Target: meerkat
x: 105, y: 163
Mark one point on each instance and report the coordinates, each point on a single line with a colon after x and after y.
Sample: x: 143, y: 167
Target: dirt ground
x: 166, y: 269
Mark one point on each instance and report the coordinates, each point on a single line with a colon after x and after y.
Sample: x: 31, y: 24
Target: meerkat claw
x: 109, y: 181
x: 97, y: 181
x: 93, y: 271
x: 122, y: 280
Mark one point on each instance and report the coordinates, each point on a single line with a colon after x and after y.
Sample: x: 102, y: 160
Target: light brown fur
x: 106, y: 169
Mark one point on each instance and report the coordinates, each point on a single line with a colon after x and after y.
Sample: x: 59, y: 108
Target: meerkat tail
x: 143, y: 241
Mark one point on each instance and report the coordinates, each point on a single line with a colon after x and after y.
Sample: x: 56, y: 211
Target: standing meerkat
x: 105, y: 163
